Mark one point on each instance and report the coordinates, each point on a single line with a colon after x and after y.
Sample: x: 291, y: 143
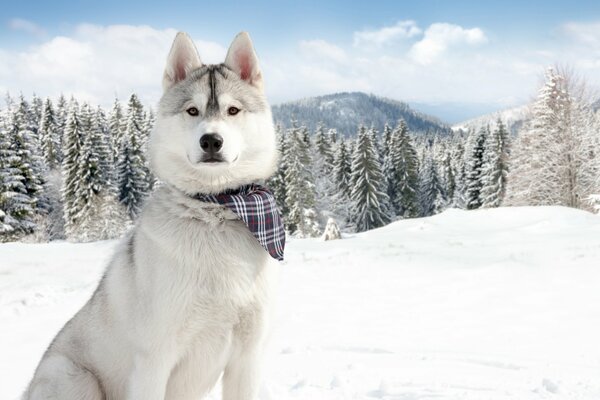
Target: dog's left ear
x: 241, y: 58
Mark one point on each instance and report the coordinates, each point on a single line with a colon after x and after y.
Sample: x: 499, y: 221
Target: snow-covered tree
x: 495, y: 167
x: 49, y: 135
x: 370, y: 201
x: 17, y: 208
x: 554, y: 157
x: 433, y: 198
x: 474, y: 181
x: 277, y: 181
x: 73, y: 143
x: 401, y: 166
x: 131, y: 166
x: 116, y: 127
x: 300, y: 189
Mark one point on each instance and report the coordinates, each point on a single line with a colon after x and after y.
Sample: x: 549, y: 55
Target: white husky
x: 188, y: 294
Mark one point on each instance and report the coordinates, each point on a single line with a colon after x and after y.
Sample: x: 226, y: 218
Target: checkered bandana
x: 255, y: 205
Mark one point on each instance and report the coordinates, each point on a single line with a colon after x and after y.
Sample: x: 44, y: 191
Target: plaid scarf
x: 255, y: 205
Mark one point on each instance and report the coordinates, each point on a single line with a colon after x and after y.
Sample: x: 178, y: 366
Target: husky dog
x: 188, y: 295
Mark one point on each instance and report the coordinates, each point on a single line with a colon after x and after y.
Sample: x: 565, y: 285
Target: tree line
x: 71, y: 171
x: 77, y: 172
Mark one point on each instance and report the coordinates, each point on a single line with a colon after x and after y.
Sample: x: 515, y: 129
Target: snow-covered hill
x: 489, y: 304
x: 513, y: 118
x: 345, y: 111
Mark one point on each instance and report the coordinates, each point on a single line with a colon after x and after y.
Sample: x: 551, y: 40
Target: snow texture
x: 486, y: 304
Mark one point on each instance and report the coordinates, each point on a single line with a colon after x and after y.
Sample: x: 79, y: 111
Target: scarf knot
x: 255, y: 205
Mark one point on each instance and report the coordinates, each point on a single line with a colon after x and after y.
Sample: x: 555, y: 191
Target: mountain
x: 346, y: 111
x: 513, y: 119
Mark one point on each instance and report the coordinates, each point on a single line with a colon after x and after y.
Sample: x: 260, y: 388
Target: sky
x: 454, y: 60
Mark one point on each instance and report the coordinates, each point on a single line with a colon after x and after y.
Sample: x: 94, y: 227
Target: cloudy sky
x: 452, y: 59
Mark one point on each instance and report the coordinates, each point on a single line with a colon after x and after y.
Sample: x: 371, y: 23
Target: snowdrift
x: 487, y: 304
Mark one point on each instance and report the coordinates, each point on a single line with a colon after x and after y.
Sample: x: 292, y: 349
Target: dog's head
x: 214, y: 129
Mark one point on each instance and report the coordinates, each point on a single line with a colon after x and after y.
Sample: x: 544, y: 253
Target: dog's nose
x: 211, y: 142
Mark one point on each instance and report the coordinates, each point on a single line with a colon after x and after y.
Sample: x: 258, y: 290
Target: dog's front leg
x: 149, y: 378
x: 241, y: 378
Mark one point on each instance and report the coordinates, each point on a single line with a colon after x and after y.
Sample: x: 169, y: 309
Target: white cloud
x: 439, y: 37
x: 24, y: 25
x: 586, y: 33
x: 97, y: 62
x: 387, y: 34
x: 324, y: 49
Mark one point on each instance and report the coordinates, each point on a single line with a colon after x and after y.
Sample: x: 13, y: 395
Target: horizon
x: 451, y: 61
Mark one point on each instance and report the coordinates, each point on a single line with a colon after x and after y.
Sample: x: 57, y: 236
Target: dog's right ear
x: 183, y: 59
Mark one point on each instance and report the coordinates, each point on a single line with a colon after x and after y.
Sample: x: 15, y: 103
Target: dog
x: 188, y: 296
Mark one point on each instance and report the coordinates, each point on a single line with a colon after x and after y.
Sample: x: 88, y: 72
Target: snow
x: 487, y: 304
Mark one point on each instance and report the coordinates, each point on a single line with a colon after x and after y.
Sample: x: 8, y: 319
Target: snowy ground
x: 494, y: 304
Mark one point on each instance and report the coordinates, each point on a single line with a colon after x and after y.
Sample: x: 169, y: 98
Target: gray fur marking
x: 212, y: 80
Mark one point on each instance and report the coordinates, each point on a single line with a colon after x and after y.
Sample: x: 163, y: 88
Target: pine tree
x: 324, y: 146
x: 50, y: 136
x: 342, y: 169
x: 116, y: 128
x: 474, y: 170
x: 277, y: 181
x: 101, y: 141
x: 370, y: 202
x: 553, y: 158
x: 458, y: 165
x: 131, y: 168
x: 432, y: 191
x: 62, y: 109
x: 495, y: 167
x: 73, y: 141
x: 448, y: 177
x: 342, y: 172
x: 300, y: 195
x: 401, y: 167
x: 17, y: 208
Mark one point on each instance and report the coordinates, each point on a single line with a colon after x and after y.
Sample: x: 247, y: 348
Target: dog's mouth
x: 215, y: 159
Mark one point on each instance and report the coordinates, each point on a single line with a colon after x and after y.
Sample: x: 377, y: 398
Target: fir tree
x: 341, y: 174
x: 370, y: 202
x: 324, y: 150
x: 50, y: 136
x: 300, y: 196
x: 16, y: 206
x: 277, y: 181
x: 433, y: 200
x: 402, y: 168
x: 101, y: 141
x: 495, y: 167
x: 474, y: 170
x: 553, y: 161
x: 116, y: 128
x: 131, y: 168
x: 73, y: 141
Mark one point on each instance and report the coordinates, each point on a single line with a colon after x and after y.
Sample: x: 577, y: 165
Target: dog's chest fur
x: 206, y: 255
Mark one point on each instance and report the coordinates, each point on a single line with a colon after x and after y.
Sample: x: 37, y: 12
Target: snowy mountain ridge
x: 346, y: 111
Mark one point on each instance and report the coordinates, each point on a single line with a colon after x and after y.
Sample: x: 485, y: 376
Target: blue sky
x: 454, y: 59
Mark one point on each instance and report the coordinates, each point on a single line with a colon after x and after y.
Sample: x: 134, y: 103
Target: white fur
x: 188, y: 294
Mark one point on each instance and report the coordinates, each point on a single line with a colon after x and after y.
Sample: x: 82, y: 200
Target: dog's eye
x: 193, y: 111
x: 233, y: 110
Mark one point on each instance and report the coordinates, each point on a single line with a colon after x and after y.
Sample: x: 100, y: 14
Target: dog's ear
x: 183, y: 59
x: 241, y: 58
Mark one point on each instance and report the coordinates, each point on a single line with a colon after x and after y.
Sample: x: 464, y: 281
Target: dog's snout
x: 211, y: 142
